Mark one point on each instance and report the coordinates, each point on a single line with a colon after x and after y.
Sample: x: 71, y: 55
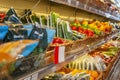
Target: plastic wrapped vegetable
x: 10, y: 51
x: 3, y: 31
x: 16, y: 33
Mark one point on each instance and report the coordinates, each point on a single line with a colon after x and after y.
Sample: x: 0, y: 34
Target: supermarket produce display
x: 113, y: 74
x: 28, y: 44
x: 89, y: 66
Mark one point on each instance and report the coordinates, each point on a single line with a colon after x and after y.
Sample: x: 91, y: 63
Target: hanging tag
x: 35, y: 76
x: 68, y: 27
x: 28, y: 78
x: 59, y: 54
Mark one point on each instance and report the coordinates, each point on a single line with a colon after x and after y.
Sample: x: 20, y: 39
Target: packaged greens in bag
x: 14, y: 35
x: 11, y: 17
x: 18, y: 33
x: 29, y: 28
x: 10, y: 51
x: 29, y: 48
x: 3, y: 31
x: 14, y: 19
x: 50, y: 35
x: 41, y: 34
x: 10, y: 12
x: 16, y: 50
x: 45, y: 35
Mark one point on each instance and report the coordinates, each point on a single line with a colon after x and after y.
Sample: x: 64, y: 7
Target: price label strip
x: 59, y: 54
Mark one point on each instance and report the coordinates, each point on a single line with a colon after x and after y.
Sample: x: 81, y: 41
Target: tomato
x: 58, y: 40
x: 73, y: 27
x: 2, y: 15
x: 89, y: 33
x: 79, y: 29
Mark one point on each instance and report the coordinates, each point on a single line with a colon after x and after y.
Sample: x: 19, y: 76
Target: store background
x: 45, y: 7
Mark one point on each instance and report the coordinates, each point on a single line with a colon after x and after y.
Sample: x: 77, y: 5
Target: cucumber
x: 63, y: 30
x: 35, y: 19
x: 68, y: 34
x: 60, y: 32
x: 75, y: 38
x: 44, y: 20
x: 54, y: 17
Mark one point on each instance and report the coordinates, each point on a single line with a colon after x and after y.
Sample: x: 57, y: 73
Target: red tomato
x: 2, y: 15
x: 58, y: 40
x: 79, y: 29
x: 73, y: 27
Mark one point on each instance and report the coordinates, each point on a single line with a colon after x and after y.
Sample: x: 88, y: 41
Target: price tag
x: 75, y: 57
x: 107, y: 15
x: 59, y: 54
x: 35, y: 76
x: 68, y: 27
x: 77, y: 3
x: 28, y: 78
x: 69, y: 2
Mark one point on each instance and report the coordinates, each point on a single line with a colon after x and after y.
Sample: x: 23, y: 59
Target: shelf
x: 114, y: 73
x: 74, y: 54
x: 87, y: 8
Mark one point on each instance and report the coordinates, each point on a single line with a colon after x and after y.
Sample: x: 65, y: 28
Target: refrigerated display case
x: 36, y: 66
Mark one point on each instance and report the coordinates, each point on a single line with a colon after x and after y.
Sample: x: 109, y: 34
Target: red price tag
x: 59, y: 54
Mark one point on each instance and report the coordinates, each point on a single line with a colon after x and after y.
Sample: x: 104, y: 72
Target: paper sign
x: 59, y: 54
x: 68, y: 27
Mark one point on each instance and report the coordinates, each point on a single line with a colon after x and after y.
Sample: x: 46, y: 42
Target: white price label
x: 75, y: 56
x: 59, y: 54
x: 77, y: 3
x: 62, y: 54
x: 69, y: 1
x: 28, y: 78
x: 68, y: 27
x: 107, y: 15
x: 35, y: 76
x: 53, y: 69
